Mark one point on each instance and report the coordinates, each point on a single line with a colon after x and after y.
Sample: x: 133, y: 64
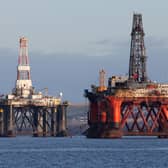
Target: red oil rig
x: 132, y: 105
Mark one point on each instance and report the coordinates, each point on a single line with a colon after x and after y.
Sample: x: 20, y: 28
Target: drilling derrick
x: 137, y: 64
x: 23, y: 85
x: 130, y: 105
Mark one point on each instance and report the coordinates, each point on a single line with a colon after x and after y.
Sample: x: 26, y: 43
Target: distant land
x: 77, y: 119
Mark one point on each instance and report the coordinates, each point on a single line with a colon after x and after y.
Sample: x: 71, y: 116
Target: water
x: 80, y: 152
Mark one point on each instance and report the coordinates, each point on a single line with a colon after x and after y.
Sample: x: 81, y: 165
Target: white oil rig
x: 28, y: 111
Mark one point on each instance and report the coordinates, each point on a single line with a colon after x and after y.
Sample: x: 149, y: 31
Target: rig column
x: 35, y: 121
x: 40, y: 123
x: 11, y: 122
x: 53, y: 121
x: 1, y: 122
x: 45, y: 122
x: 61, y: 120
x: 8, y: 121
x: 115, y: 115
x: 92, y: 114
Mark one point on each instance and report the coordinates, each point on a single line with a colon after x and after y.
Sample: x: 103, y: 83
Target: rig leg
x: 53, y: 121
x: 61, y: 121
x: 8, y: 121
x: 114, y: 131
x: 44, y: 119
x: 1, y: 122
x: 35, y: 121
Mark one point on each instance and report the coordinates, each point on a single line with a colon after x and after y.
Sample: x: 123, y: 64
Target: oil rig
x: 130, y: 105
x: 25, y: 110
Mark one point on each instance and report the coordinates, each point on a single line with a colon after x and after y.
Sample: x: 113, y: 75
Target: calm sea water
x: 80, y: 152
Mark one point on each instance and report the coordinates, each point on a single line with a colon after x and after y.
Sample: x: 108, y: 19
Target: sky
x: 71, y: 40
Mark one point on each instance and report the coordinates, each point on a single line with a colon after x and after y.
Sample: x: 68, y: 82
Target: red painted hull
x: 113, y: 117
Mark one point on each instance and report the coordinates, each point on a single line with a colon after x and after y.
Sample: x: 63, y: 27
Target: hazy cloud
x: 104, y: 42
x: 60, y: 72
x: 156, y: 42
x: 72, y: 73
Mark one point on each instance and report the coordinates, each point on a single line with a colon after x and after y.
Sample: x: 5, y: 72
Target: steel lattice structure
x: 137, y: 64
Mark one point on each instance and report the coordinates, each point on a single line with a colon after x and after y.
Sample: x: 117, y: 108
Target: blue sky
x: 70, y: 40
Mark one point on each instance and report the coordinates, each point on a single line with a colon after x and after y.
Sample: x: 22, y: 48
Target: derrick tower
x: 23, y: 85
x: 129, y: 106
x: 137, y: 63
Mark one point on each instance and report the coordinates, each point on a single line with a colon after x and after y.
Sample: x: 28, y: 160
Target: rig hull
x: 110, y: 116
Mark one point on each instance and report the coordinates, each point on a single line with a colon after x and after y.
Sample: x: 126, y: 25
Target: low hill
x: 77, y: 119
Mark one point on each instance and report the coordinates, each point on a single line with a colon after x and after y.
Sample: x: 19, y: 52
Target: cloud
x: 151, y: 41
x: 156, y: 42
x: 156, y: 50
x: 71, y: 73
x: 104, y: 42
x: 60, y: 72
